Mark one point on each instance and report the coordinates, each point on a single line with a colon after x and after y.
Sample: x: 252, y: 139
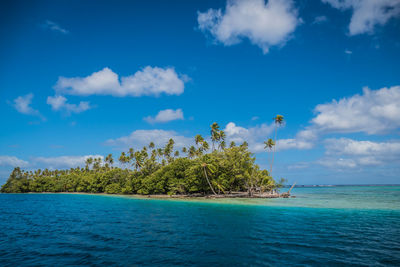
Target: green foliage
x: 156, y: 171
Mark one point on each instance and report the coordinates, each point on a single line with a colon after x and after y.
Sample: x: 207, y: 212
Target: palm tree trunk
x: 273, y: 153
x: 205, y: 173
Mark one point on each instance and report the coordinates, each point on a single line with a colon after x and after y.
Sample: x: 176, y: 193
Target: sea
x: 321, y: 226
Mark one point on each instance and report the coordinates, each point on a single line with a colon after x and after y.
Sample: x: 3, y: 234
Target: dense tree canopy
x: 154, y: 170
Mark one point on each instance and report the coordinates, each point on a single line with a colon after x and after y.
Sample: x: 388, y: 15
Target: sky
x: 88, y: 78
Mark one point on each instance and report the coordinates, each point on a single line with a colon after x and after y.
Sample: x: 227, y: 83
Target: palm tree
x: 278, y: 122
x: 123, y: 158
x: 245, y: 144
x: 208, y: 168
x: 198, y: 139
x: 270, y: 144
x: 97, y: 163
x: 205, y: 146
x: 214, y: 134
x: 88, y: 162
x: 192, y: 152
x: 221, y: 140
x: 184, y: 150
x: 139, y: 159
x: 151, y: 145
x: 222, y: 145
x: 109, y: 159
x: 169, y: 147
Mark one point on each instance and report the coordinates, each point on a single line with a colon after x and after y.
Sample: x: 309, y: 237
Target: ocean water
x: 331, y: 226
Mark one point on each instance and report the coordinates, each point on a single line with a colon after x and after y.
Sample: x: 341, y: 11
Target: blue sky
x: 85, y: 78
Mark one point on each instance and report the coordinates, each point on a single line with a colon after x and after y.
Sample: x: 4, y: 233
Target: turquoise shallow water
x: 330, y: 226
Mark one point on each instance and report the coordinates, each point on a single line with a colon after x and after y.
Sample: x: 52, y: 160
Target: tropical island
x: 195, y: 171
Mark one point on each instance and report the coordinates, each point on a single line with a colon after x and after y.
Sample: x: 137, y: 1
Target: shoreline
x: 182, y: 197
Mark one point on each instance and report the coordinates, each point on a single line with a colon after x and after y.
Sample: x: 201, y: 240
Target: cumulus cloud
x: 23, y: 105
x: 346, y: 152
x: 350, y: 147
x: 166, y: 116
x: 62, y: 162
x: 146, y: 82
x: 139, y: 138
x: 264, y: 24
x: 367, y: 14
x: 12, y: 161
x: 51, y: 25
x: 293, y: 143
x: 375, y: 111
x: 254, y: 136
x: 59, y: 103
x: 304, y: 139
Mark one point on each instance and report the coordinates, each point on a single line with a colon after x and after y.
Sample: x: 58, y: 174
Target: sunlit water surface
x: 321, y: 226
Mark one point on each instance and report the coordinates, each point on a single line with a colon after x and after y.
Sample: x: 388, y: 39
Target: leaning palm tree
x: 139, y: 160
x: 208, y: 168
x: 204, y: 146
x: 270, y: 144
x: 222, y: 145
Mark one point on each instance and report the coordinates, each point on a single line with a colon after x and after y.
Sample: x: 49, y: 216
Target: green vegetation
x: 154, y: 170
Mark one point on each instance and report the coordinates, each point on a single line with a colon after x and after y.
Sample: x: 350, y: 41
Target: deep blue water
x: 62, y: 229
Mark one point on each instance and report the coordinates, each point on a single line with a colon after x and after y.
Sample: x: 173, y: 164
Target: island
x: 195, y: 171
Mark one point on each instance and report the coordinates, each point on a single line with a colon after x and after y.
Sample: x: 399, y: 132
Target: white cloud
x: 12, y: 161
x: 345, y: 152
x: 320, y: 19
x: 375, y: 111
x: 62, y: 162
x: 254, y: 136
x: 146, y: 82
x: 349, y: 52
x: 23, y: 105
x: 54, y: 27
x: 59, y: 103
x: 166, y: 116
x: 264, y: 24
x: 139, y: 138
x: 346, y: 146
x: 337, y: 163
x: 304, y: 139
x: 367, y: 13
x: 293, y: 143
